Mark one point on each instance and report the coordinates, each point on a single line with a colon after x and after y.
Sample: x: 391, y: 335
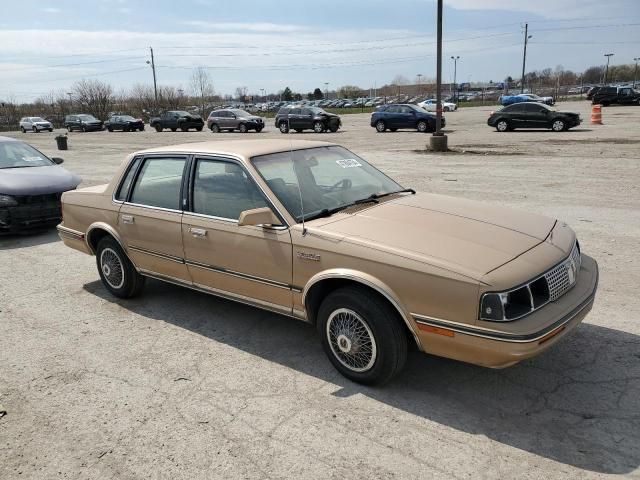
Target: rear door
x: 150, y: 219
x: 515, y: 115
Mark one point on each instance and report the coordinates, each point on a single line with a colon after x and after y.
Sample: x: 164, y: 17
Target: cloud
x: 548, y: 8
x: 262, y: 27
x: 52, y: 10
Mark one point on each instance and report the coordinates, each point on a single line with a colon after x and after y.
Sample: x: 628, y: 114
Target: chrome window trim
x: 528, y: 285
x: 231, y: 220
x: 170, y: 210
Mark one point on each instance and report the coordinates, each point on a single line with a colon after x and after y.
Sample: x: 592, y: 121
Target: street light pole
x: 635, y: 72
x: 438, y: 141
x: 606, y: 70
x: 326, y: 90
x: 524, y: 54
x: 153, y: 68
x: 419, y: 82
x: 455, y: 72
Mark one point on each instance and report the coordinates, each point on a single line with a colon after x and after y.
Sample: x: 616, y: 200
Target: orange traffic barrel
x: 596, y: 115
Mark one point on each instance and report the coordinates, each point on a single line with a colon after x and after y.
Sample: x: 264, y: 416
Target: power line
x: 40, y: 67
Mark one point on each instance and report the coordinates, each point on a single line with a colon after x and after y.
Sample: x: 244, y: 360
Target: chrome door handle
x: 127, y: 219
x: 198, y: 232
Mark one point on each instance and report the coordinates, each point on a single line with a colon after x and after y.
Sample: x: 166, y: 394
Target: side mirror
x: 258, y: 216
x: 57, y: 160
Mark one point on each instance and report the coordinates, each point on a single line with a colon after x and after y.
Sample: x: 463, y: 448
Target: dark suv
x: 401, y: 115
x: 606, y: 96
x: 177, y: 119
x: 305, y: 118
x: 234, y: 119
x: 83, y: 122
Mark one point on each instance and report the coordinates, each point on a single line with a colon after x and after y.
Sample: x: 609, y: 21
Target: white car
x: 535, y: 98
x: 35, y: 124
x: 430, y: 106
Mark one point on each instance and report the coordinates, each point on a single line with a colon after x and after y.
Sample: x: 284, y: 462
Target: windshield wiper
x: 404, y: 190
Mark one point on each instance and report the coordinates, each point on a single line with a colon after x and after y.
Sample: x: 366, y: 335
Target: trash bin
x: 61, y: 140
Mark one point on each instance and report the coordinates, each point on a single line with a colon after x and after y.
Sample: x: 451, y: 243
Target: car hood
x: 469, y: 237
x: 36, y: 180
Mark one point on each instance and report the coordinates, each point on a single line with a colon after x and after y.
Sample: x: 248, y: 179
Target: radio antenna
x: 295, y: 171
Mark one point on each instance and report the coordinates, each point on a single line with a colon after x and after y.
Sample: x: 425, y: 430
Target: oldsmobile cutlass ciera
x: 311, y: 230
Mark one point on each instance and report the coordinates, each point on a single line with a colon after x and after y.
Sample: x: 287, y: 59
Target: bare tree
x: 169, y: 97
x: 349, y: 91
x: 241, y: 93
x: 94, y: 96
x: 202, y: 88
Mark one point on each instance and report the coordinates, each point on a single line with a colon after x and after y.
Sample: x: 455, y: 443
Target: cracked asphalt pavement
x: 177, y: 384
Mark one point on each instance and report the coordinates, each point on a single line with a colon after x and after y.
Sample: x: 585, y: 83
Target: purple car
x: 31, y: 185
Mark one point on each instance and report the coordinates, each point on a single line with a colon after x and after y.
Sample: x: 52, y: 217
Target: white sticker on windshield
x: 348, y: 163
x: 32, y: 159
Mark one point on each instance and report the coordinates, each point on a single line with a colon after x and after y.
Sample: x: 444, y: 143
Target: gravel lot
x: 178, y: 384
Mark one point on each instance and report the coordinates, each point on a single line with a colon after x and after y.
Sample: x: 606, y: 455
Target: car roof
x: 242, y: 148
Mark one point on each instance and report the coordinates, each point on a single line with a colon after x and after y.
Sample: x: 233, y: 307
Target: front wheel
x: 362, y: 335
x: 502, y: 126
x: 333, y: 128
x: 445, y: 109
x: 110, y: 129
x: 198, y: 129
x: 214, y: 128
x: 69, y: 128
x: 258, y: 129
x: 35, y: 129
x: 557, y: 126
x: 284, y: 127
x: 242, y: 128
x: 184, y: 129
x: 318, y: 127
x: 380, y: 126
x: 422, y: 126
x: 116, y: 271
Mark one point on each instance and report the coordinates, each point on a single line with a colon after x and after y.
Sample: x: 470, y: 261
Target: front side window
x: 159, y: 183
x: 318, y: 179
x: 21, y: 155
x: 223, y: 189
x: 87, y: 118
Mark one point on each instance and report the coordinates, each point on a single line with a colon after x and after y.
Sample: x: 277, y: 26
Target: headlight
x: 7, y: 201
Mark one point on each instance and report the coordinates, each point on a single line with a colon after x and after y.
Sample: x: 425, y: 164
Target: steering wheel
x: 343, y: 184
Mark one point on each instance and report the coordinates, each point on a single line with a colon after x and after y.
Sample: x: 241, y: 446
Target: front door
x: 536, y: 115
x: 150, y: 220
x: 247, y: 263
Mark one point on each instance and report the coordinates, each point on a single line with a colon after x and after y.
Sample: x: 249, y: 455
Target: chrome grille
x: 562, y: 277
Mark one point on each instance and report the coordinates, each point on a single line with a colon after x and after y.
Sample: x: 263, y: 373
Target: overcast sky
x: 271, y: 44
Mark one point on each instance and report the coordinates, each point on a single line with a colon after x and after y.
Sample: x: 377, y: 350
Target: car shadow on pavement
x: 577, y: 404
x: 32, y: 239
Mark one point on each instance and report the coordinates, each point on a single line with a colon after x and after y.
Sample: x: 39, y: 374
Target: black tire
x: 116, y: 271
x: 35, y: 129
x: 69, y: 128
x: 318, y: 127
x: 502, y: 125
x: 380, y: 126
x: 215, y: 128
x: 141, y: 128
x: 333, y: 128
x: 422, y: 126
x: 51, y: 130
x: 445, y: 109
x: 242, y: 128
x: 379, y: 324
x: 110, y: 129
x: 184, y: 129
x: 199, y: 129
x: 158, y: 128
x: 258, y: 129
x: 284, y: 127
x: 23, y: 130
x: 84, y: 129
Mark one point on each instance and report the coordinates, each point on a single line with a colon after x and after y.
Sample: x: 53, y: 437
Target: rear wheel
x: 380, y: 126
x: 422, y: 126
x: 362, y: 335
x: 110, y: 129
x: 284, y: 127
x: 158, y: 128
x: 558, y: 125
x: 69, y: 128
x: 502, y: 126
x: 215, y: 128
x: 198, y: 129
x: 318, y: 127
x: 173, y: 129
x: 23, y: 130
x: 116, y: 271
x: 184, y: 129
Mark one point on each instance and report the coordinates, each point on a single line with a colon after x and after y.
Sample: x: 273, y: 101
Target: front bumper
x: 498, y: 349
x: 30, y: 216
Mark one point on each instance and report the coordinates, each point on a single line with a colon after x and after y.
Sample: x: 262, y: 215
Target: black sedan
x: 126, y: 123
x: 31, y: 185
x: 395, y: 116
x: 532, y: 115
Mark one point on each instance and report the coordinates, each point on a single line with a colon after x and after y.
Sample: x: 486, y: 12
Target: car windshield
x: 241, y: 113
x: 182, y: 113
x: 127, y: 117
x: 37, y: 119
x: 21, y: 155
x: 322, y: 180
x: 88, y: 118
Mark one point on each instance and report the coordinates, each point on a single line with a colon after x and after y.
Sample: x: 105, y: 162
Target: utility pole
x: 606, y: 70
x: 635, y: 72
x: 326, y: 90
x: 438, y: 141
x: 419, y: 82
x: 524, y: 54
x: 455, y: 72
x: 153, y: 68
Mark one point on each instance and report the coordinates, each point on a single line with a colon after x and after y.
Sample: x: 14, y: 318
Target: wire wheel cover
x: 351, y: 340
x: 111, y: 267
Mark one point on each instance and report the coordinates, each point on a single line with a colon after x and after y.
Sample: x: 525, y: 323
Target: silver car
x: 35, y: 124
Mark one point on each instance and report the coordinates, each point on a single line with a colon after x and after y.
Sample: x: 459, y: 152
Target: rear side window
x: 123, y: 190
x: 159, y: 183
